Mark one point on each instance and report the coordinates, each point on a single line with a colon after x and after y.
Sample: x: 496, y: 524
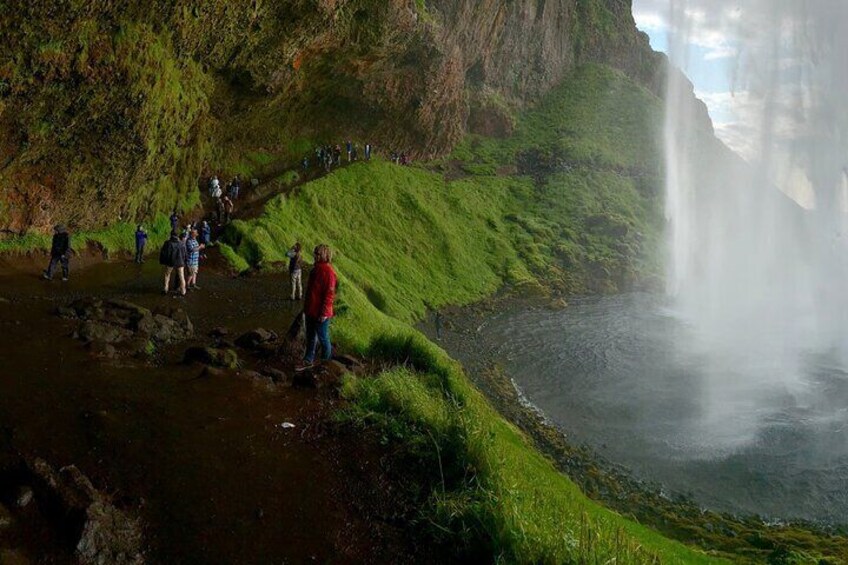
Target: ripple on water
x: 740, y: 432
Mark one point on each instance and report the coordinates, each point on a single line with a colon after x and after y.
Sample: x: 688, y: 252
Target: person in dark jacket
x: 206, y: 233
x: 318, y: 307
x: 60, y: 250
x: 173, y: 258
x: 140, y: 242
x: 175, y: 220
x: 295, y: 256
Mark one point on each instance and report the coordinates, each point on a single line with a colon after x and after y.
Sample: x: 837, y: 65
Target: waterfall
x: 757, y: 246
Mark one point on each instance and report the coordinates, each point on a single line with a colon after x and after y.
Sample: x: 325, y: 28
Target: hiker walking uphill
x: 175, y: 220
x: 60, y: 249
x: 173, y: 258
x: 296, y: 271
x: 140, y: 242
x: 318, y: 307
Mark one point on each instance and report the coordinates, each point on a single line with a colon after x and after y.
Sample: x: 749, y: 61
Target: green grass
x: 119, y: 237
x: 408, y: 240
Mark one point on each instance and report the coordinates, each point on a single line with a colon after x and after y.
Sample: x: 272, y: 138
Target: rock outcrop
x: 120, y: 105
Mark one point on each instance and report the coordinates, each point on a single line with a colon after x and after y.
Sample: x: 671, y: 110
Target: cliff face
x: 113, y: 109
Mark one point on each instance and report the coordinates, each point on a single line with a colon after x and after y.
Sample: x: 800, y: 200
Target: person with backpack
x: 318, y: 306
x: 296, y: 271
x: 140, y: 242
x: 214, y: 186
x: 60, y: 249
x: 173, y: 258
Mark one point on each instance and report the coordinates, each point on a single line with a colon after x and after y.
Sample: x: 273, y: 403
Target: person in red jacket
x: 318, y: 306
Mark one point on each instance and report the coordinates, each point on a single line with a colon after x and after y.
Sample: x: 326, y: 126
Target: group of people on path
x: 180, y: 257
x: 224, y: 203
x: 329, y: 156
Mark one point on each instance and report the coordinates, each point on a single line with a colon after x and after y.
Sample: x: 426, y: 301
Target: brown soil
x: 202, y: 460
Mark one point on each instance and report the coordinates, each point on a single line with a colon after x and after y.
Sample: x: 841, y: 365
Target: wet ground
x: 203, y: 461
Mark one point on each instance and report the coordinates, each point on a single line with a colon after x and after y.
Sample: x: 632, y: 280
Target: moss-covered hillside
x: 115, y: 109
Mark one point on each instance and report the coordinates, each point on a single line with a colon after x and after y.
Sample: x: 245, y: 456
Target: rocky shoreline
x: 749, y: 538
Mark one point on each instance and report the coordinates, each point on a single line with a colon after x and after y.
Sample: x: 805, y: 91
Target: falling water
x: 758, y: 249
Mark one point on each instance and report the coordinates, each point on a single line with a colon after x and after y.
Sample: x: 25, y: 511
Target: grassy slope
x: 407, y: 239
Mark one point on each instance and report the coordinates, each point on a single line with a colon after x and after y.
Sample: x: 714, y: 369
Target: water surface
x: 616, y: 373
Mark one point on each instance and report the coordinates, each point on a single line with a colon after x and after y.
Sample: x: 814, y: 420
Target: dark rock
x: 23, y: 497
x: 13, y: 557
x: 254, y: 338
x: 306, y: 379
x: 103, y: 349
x: 278, y: 377
x: 219, y: 332
x: 66, y: 312
x: 91, y: 330
x: 267, y: 350
x: 333, y: 371
x: 212, y: 356
x: 6, y: 518
x: 212, y: 372
x: 108, y: 534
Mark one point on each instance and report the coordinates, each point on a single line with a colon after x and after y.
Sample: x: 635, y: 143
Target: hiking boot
x: 305, y: 366
x: 194, y: 287
x: 64, y: 279
x: 46, y: 277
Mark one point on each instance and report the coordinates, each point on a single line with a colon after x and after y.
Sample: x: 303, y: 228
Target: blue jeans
x: 317, y: 332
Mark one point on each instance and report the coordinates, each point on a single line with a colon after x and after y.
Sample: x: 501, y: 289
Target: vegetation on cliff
x: 113, y: 111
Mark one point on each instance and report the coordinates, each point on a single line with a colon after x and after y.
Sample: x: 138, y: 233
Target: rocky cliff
x: 114, y: 109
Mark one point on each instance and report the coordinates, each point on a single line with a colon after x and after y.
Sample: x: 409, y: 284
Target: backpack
x: 165, y: 255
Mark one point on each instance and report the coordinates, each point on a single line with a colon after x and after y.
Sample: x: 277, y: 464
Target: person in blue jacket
x: 140, y: 242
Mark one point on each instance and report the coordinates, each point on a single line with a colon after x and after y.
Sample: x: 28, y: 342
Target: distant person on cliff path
x: 318, y: 307
x: 173, y: 257
x: 193, y: 249
x: 295, y: 256
x: 228, y: 209
x: 214, y: 186
x: 235, y: 187
x: 60, y: 249
x: 140, y: 242
x: 349, y: 147
x: 175, y: 220
x: 367, y: 151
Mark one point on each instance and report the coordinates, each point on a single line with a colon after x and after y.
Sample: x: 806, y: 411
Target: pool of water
x: 739, y: 431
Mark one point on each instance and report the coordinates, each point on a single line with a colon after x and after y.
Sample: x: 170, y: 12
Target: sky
x: 710, y: 65
x: 773, y: 76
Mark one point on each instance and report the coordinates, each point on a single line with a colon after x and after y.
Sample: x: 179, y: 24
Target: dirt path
x: 203, y: 461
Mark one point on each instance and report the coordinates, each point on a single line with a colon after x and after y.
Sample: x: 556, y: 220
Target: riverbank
x: 744, y: 538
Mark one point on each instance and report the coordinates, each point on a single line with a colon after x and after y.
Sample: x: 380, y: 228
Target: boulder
x: 333, y: 371
x: 212, y: 372
x: 103, y: 349
x: 277, y: 376
x: 23, y: 497
x: 216, y: 357
x: 306, y: 379
x: 13, y: 557
x: 255, y: 338
x: 6, y: 518
x: 108, y: 534
x: 92, y: 331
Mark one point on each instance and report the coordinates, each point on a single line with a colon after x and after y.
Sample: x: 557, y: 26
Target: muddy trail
x: 201, y: 458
